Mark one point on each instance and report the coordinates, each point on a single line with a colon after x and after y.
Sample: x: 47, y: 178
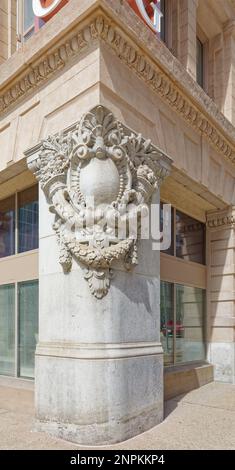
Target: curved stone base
x: 98, y: 401
x: 102, y: 434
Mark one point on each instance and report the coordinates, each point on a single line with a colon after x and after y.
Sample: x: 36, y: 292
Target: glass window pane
x: 28, y: 14
x: 190, y: 314
x: 28, y: 326
x: 190, y: 238
x: 163, y: 20
x: 28, y: 220
x: 170, y: 250
x: 167, y: 321
x: 7, y: 227
x: 7, y: 329
x: 199, y: 62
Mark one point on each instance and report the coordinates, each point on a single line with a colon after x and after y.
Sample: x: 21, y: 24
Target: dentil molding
x: 221, y: 220
x: 97, y: 178
x: 102, y: 28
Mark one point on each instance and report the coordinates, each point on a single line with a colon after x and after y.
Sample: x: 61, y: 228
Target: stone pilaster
x: 188, y: 33
x: 221, y: 292
x: 228, y: 71
x: 7, y: 29
x: 99, y: 361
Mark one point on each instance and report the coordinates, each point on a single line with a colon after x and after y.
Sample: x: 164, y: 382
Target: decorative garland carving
x: 103, y: 160
x: 101, y: 28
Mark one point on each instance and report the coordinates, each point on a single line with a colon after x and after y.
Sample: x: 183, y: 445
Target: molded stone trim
x: 221, y: 218
x: 102, y: 28
x: 99, y: 351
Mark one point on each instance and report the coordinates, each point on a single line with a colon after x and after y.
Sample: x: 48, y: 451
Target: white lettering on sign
x: 41, y: 11
x: 154, y: 24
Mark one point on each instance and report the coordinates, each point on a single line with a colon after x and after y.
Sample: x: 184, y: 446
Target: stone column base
x: 102, y: 400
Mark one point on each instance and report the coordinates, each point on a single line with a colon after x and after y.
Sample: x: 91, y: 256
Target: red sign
x: 149, y: 11
x: 45, y: 9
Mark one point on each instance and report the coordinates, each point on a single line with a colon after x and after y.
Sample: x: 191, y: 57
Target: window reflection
x: 183, y: 339
x: 28, y: 19
x: 190, y: 344
x: 7, y: 329
x: 28, y: 326
x: 7, y: 227
x: 167, y: 322
x: 28, y: 219
x: 190, y: 238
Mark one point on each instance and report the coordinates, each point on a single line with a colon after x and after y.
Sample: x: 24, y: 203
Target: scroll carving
x: 96, y: 178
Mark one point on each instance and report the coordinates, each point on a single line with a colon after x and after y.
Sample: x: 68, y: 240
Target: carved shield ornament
x: 98, y: 179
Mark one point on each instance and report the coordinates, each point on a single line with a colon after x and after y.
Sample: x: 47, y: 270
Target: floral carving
x: 96, y: 178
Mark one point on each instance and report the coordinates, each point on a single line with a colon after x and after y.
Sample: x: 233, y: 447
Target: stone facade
x: 99, y: 329
x: 107, y: 340
x: 221, y: 272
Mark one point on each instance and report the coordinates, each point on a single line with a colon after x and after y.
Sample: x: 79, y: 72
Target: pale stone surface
x: 71, y: 390
x: 98, y: 401
x: 221, y: 324
x: 99, y: 360
x: 222, y: 356
x: 201, y: 419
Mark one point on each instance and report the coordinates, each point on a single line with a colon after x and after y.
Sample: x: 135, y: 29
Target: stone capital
x: 97, y: 177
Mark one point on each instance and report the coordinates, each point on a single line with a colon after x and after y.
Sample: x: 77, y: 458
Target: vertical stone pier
x: 99, y: 360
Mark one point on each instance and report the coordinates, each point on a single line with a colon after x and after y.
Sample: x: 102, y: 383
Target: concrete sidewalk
x: 201, y: 419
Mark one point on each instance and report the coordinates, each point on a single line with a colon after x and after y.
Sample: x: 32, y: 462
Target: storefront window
x: 182, y: 323
x: 7, y: 227
x: 7, y: 329
x: 190, y: 345
x: 28, y: 220
x: 190, y: 238
x: 28, y: 326
x: 167, y: 322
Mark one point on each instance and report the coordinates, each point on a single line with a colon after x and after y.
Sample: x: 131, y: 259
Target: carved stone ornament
x: 97, y: 178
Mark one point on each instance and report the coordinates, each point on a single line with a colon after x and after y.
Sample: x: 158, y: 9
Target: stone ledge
x: 133, y: 42
x: 183, y: 379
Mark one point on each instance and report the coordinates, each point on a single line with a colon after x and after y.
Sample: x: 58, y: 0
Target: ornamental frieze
x: 102, y: 29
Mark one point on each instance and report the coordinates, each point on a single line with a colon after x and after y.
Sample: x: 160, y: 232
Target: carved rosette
x: 98, y: 178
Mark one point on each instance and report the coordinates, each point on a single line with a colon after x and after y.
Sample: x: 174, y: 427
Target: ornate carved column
x: 99, y: 362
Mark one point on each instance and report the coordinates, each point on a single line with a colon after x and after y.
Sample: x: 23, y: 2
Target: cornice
x: 101, y: 28
x: 221, y: 219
